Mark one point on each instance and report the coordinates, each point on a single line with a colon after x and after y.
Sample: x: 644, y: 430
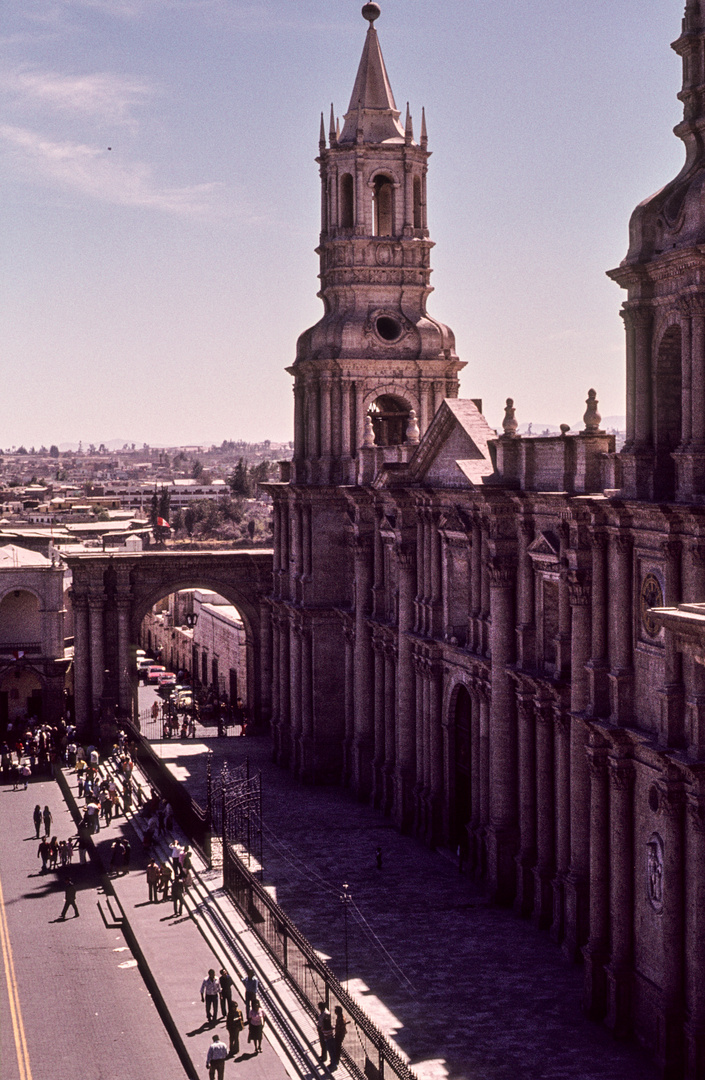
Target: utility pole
x: 345, y: 901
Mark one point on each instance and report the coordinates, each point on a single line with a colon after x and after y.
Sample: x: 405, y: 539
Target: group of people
x: 33, y: 748
x: 52, y: 851
x: 331, y: 1034
x: 215, y: 991
x: 170, y: 878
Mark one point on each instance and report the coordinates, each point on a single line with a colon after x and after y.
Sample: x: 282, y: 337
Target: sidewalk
x: 464, y: 989
x: 178, y: 951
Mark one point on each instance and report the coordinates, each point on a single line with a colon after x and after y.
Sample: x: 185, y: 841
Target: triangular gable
x: 454, y: 452
x: 546, y: 544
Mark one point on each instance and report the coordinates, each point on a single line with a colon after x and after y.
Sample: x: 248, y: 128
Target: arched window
x: 390, y: 417
x: 383, y: 206
x: 418, y: 215
x: 347, y: 202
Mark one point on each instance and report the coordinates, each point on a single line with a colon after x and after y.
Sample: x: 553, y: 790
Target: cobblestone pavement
x: 466, y: 990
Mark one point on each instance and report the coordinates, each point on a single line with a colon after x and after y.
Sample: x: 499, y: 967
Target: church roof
x: 13, y: 557
x: 372, y: 110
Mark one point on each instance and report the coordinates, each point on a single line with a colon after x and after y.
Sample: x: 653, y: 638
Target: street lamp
x: 345, y: 901
x: 190, y: 618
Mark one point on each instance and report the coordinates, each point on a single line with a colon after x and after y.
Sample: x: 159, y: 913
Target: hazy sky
x: 154, y: 291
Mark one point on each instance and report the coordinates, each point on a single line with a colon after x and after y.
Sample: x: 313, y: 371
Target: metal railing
x: 367, y: 1053
x: 190, y: 816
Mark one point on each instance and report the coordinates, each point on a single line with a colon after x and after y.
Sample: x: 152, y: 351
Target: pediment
x: 454, y: 451
x: 546, y: 545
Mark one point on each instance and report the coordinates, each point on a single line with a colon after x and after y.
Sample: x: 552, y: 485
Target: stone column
x: 435, y: 626
x: 299, y: 423
x: 545, y: 814
x: 695, y: 937
x: 295, y: 632
x: 672, y: 719
x: 561, y: 757
x: 598, y: 684
x: 266, y: 660
x: 502, y: 835
x: 307, y: 771
x: 96, y: 604
x: 526, y: 859
x: 475, y: 777
x: 577, y: 880
x: 285, y: 739
x: 484, y: 757
x: 641, y: 320
x: 275, y: 684
x: 596, y: 950
x: 631, y: 375
x: 363, y: 743
x: 620, y: 629
x: 406, y: 706
x: 476, y: 586
x: 124, y: 676
x: 326, y: 389
x: 620, y: 968
x: 82, y: 665
x: 389, y: 729
x: 698, y: 373
x: 378, y: 759
x: 408, y: 198
x: 345, y: 419
x: 671, y: 1004
x: 436, y: 796
x: 686, y: 378
x: 525, y: 598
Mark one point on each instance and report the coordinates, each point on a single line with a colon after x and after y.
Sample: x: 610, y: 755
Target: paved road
x: 73, y: 1005
x: 465, y: 989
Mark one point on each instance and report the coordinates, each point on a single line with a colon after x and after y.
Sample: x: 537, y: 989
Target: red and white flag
x: 163, y: 524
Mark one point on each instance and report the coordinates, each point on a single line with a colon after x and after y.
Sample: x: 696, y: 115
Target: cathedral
x: 461, y: 628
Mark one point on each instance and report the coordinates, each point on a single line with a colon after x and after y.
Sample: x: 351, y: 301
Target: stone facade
x: 461, y: 625
x: 33, y: 661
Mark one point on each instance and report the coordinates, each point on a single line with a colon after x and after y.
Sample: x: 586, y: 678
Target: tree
x: 197, y: 470
x: 21, y: 449
x: 239, y: 481
x: 189, y: 520
x: 54, y: 450
x: 251, y: 528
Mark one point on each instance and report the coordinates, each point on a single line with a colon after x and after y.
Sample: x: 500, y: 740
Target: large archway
x: 111, y: 594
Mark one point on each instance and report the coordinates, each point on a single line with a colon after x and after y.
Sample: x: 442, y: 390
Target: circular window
x: 388, y: 328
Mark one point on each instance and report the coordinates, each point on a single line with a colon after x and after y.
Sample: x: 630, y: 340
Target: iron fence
x: 366, y: 1051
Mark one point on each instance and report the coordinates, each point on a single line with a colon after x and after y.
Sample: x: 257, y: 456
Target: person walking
x: 37, y: 816
x: 69, y: 900
x: 251, y: 990
x: 177, y: 895
x: 48, y: 819
x: 339, y: 1031
x: 257, y: 1021
x: 153, y: 877
x: 209, y: 994
x: 215, y: 1059
x: 226, y: 991
x: 234, y: 1023
x: 44, y: 850
x: 325, y: 1031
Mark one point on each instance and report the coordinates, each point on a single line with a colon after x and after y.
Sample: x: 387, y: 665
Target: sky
x: 161, y: 200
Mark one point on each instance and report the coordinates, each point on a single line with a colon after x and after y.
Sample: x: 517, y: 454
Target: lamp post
x: 345, y: 901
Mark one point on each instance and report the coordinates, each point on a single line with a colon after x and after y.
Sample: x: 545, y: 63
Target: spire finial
x: 333, y: 134
x: 409, y: 130
x: 424, y: 132
x: 509, y: 424
x: 371, y: 12
x: 592, y: 417
x: 322, y: 136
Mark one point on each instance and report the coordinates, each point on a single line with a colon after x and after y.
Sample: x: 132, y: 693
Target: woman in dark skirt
x: 257, y: 1022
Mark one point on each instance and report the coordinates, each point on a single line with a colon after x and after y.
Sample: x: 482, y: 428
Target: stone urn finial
x: 371, y: 12
x: 368, y: 439
x: 509, y: 424
x: 413, y: 434
x: 592, y: 417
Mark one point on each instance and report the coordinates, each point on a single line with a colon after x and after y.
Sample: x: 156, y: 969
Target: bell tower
x: 663, y: 458
x: 376, y: 367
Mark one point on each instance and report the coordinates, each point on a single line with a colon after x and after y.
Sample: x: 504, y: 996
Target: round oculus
x: 651, y: 596
x: 388, y: 328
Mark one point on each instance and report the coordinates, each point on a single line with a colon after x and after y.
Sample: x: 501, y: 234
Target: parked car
x: 154, y: 671
x: 166, y: 681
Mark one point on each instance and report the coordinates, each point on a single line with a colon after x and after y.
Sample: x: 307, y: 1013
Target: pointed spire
x: 333, y: 135
x: 322, y: 136
x: 337, y: 129
x: 372, y: 94
x: 424, y: 132
x: 409, y: 129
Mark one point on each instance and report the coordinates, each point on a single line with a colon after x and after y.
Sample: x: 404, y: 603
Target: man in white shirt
x: 210, y: 988
x: 215, y: 1059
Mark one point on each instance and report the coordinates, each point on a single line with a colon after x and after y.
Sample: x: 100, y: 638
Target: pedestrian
x: 175, y: 850
x: 44, y: 851
x: 257, y: 1021
x: 339, y: 1031
x: 37, y: 816
x: 25, y: 773
x: 82, y: 845
x: 117, y: 855
x: 209, y: 994
x: 48, y: 819
x: 325, y: 1030
x: 177, y: 895
x: 153, y: 878
x: 234, y: 1023
x: 251, y: 990
x: 226, y: 991
x: 69, y: 899
x: 165, y: 879
x: 215, y: 1059
x: 53, y: 853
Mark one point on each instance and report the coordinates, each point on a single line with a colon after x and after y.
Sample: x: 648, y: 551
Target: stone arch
x: 22, y: 623
x: 108, y: 620
x: 404, y: 401
x: 383, y: 204
x: 347, y: 201
x: 667, y: 408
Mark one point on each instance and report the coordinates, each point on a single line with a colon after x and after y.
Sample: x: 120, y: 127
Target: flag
x: 163, y: 524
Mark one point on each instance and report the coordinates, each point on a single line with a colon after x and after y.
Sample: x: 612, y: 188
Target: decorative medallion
x: 383, y: 254
x: 651, y: 596
x: 654, y: 872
